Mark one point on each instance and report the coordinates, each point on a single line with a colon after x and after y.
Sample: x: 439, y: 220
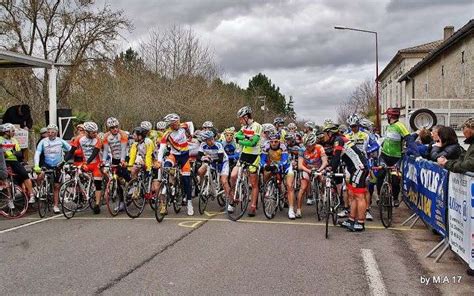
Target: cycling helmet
x: 342, y: 128
x: 310, y: 139
x: 90, y: 126
x: 51, y: 126
x: 268, y: 127
x: 111, y: 122
x: 81, y: 125
x: 207, y: 124
x: 161, y: 125
x: 290, y: 137
x: 393, y: 112
x: 244, y: 111
x: 8, y: 127
x: 229, y: 130
x: 353, y: 120
x: 328, y: 121
x: 172, y: 117
x: 331, y: 128
x: 292, y: 125
x: 43, y: 130
x: 278, y: 120
x: 274, y: 136
x: 309, y: 124
x: 206, y: 135
x: 146, y: 125
x: 364, y: 122
x: 140, y: 131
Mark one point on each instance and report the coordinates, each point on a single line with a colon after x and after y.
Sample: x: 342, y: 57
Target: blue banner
x: 425, y: 190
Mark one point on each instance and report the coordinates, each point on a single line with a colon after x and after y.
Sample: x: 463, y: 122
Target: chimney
x: 448, y: 31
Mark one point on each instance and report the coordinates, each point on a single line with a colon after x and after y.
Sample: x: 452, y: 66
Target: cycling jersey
x: 52, y: 151
x: 144, y: 151
x: 177, y: 140
x: 293, y: 149
x: 360, y: 139
x: 312, y: 159
x: 392, y: 144
x: 87, y: 145
x: 10, y: 146
x: 278, y: 156
x: 231, y: 150
x: 216, y: 152
x: 116, y: 145
x: 249, y: 138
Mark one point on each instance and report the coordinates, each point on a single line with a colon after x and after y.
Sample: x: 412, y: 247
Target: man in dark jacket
x: 19, y: 114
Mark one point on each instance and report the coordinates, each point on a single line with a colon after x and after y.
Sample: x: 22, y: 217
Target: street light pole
x: 377, y: 100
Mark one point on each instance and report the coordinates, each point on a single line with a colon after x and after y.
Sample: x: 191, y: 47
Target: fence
x: 444, y: 201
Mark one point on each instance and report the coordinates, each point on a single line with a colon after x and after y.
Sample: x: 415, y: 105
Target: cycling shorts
x: 19, y: 171
x: 182, y: 161
x: 357, y: 181
x: 95, y: 169
x: 250, y: 159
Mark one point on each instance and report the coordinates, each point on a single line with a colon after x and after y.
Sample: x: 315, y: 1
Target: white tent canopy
x: 9, y: 60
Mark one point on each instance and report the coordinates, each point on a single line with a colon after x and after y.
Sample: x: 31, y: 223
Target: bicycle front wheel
x: 385, y: 205
x: 240, y: 203
x: 270, y: 199
x: 327, y: 211
x: 15, y: 205
x: 134, y: 198
x: 178, y: 198
x: 70, y: 193
x: 112, y: 197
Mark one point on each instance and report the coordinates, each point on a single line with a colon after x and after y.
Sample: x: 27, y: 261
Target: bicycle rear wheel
x: 178, y: 198
x: 134, y: 199
x: 327, y: 211
x: 385, y: 205
x: 42, y: 204
x: 240, y: 205
x: 19, y: 204
x: 112, y: 197
x: 161, y: 198
x: 269, y: 199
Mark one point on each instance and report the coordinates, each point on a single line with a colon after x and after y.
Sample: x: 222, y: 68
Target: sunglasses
x: 113, y: 127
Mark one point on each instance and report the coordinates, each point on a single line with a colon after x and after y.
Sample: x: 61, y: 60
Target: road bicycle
x: 114, y: 189
x: 385, y: 200
x: 329, y: 202
x: 78, y: 193
x: 240, y: 200
x: 137, y: 193
x: 45, y: 192
x: 211, y: 188
x: 170, y: 191
x: 275, y: 196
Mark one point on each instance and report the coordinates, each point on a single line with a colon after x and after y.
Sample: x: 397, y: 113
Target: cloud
x: 294, y: 41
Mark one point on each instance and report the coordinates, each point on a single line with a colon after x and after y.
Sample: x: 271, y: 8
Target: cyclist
x: 308, y: 127
x: 292, y: 128
x: 311, y: 157
x: 13, y: 155
x: 160, y: 131
x: 141, y: 152
x: 392, y: 150
x: 177, y: 140
x: 150, y: 132
x: 279, y: 124
x: 356, y: 164
x: 52, y: 148
x: 230, y: 147
x: 90, y: 145
x: 274, y: 157
x: 115, y: 150
x: 212, y: 153
x: 249, y: 138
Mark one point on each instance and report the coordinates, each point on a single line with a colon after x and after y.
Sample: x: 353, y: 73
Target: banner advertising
x: 425, y: 188
x: 461, y: 216
x: 22, y: 136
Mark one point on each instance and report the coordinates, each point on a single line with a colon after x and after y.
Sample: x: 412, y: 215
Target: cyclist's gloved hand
x: 37, y: 169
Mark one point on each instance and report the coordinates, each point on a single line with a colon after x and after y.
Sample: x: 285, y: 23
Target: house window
x: 462, y: 57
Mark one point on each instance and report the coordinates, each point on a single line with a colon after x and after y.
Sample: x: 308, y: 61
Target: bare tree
x: 176, y: 51
x: 58, y: 30
x: 361, y: 101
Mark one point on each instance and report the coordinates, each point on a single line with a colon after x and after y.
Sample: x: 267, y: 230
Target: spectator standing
x: 21, y: 115
x: 447, y: 145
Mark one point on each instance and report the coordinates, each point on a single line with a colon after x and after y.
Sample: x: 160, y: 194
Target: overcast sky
x: 294, y: 42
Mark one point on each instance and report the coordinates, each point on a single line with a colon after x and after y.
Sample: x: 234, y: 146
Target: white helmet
x: 112, y: 121
x: 161, y: 125
x: 52, y: 126
x: 90, y: 126
x: 207, y: 124
x: 366, y: 123
x: 310, y: 139
x: 309, y: 124
x: 353, y: 120
x: 205, y: 135
x: 8, y: 127
x: 292, y: 125
x: 268, y: 127
x: 244, y: 111
x: 146, y: 125
x: 172, y: 117
x: 43, y: 130
x: 327, y: 122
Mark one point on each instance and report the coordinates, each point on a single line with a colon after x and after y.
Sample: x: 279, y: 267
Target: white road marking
x: 29, y: 224
x: 373, y: 274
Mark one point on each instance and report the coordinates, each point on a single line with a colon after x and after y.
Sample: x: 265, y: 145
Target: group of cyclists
x: 265, y: 149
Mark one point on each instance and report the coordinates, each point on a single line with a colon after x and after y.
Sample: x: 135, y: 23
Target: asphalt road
x: 203, y: 255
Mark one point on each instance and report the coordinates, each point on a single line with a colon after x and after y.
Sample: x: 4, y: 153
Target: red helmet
x: 393, y: 112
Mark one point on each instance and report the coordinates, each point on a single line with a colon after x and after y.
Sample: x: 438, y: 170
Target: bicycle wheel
x: 134, y: 198
x: 112, y: 197
x: 71, y: 195
x: 42, y: 201
x: 385, y: 205
x: 15, y: 206
x: 333, y: 206
x: 327, y: 211
x: 203, y: 197
x: 241, y: 203
x: 319, y: 201
x: 178, y: 198
x: 270, y: 199
x: 161, y: 197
